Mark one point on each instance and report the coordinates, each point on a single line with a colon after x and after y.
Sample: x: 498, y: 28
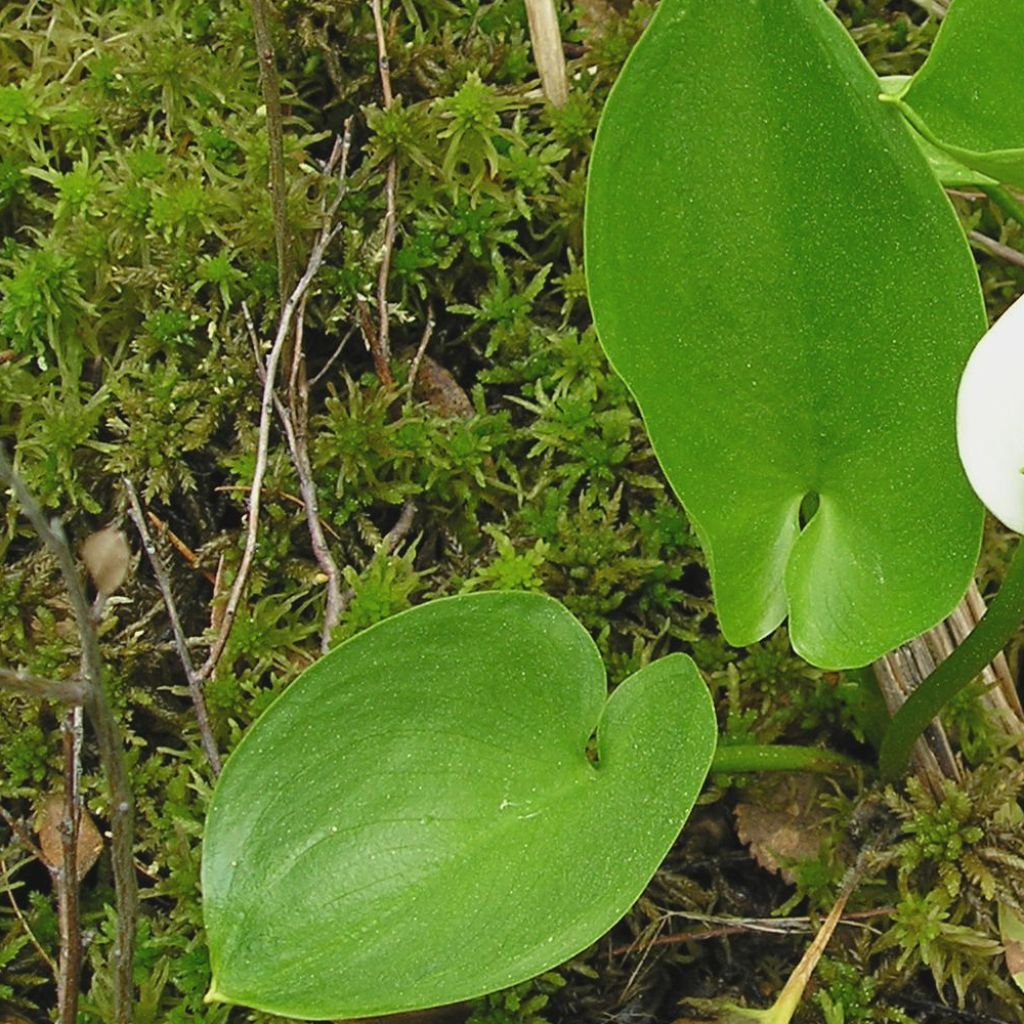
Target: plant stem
x: 67, y: 691
x: 989, y: 637
x: 108, y: 740
x: 275, y: 136
x: 771, y: 758
x: 195, y: 686
x: 65, y: 875
x: 782, y: 1010
x: 1006, y: 201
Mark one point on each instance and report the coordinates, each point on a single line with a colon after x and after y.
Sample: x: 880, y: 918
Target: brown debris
x: 783, y: 821
x: 48, y: 825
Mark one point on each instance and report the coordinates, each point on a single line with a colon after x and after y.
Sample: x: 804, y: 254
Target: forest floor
x: 139, y: 296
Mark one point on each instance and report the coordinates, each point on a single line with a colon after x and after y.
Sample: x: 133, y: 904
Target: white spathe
x: 990, y: 418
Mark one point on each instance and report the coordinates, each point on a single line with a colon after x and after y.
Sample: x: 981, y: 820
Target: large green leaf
x: 784, y: 287
x: 968, y: 97
x: 416, y: 820
x: 952, y: 173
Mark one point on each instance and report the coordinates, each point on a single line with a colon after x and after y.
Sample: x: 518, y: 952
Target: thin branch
x: 327, y: 234
x: 748, y: 926
x: 383, y: 64
x: 548, y: 54
x: 22, y: 835
x: 108, y: 740
x: 371, y: 338
x: 275, y: 137
x: 994, y: 248
x: 414, y: 366
x: 179, y: 545
x: 937, y: 7
x: 292, y: 419
x: 195, y: 686
x: 333, y: 358
x: 65, y: 691
x: 292, y: 499
x: 65, y: 877
x: 48, y: 960
x: 390, y: 188
x: 389, y: 544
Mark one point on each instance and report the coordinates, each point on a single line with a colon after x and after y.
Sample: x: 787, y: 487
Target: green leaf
x: 786, y: 291
x: 968, y: 97
x: 416, y: 821
x: 950, y: 171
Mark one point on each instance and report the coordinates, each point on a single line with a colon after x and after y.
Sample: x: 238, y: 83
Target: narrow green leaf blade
x: 784, y: 287
x: 968, y: 97
x: 416, y: 821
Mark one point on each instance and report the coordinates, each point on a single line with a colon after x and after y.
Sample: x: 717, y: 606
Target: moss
x: 136, y: 220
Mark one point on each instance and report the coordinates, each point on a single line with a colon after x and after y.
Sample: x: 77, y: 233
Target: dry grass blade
x: 547, y: 50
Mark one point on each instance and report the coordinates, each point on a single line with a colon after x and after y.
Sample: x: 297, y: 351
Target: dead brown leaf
x: 782, y: 821
x: 48, y: 825
x: 440, y: 390
x: 106, y: 556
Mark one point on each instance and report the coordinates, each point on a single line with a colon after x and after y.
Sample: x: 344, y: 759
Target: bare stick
x: 414, y: 366
x: 383, y: 65
x: 108, y: 741
x: 292, y: 499
x: 990, y: 245
x: 749, y: 926
x: 327, y: 234
x: 22, y: 835
x: 178, y: 544
x: 390, y: 187
x: 65, y: 877
x: 371, y: 338
x: 547, y: 50
x: 275, y: 136
x: 195, y: 686
x: 293, y: 421
x: 937, y: 7
x: 65, y: 691
x: 389, y: 544
x: 333, y: 358
x: 21, y: 920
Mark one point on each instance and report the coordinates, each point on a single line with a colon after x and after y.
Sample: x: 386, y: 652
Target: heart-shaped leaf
x: 951, y: 172
x: 968, y: 97
x: 417, y: 821
x: 784, y: 287
x: 990, y: 418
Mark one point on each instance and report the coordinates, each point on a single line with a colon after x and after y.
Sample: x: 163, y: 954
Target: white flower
x: 990, y: 418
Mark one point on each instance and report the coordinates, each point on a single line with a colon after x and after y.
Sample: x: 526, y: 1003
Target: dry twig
x: 65, y: 691
x: 293, y: 422
x: 335, y: 167
x: 104, y: 725
x: 195, y: 686
x: 994, y: 248
x: 547, y: 50
x: 414, y: 366
x: 745, y: 926
x: 383, y: 337
x: 47, y: 959
x: 389, y: 544
x: 275, y: 137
